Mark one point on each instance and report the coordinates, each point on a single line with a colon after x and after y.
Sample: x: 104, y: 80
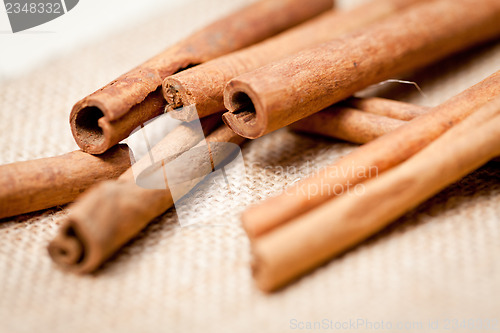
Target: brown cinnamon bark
x: 203, y: 86
x: 314, y: 238
x: 181, y: 139
x: 347, y: 124
x: 379, y: 116
x: 109, y: 115
x: 90, y: 235
x: 39, y: 184
x: 387, y: 107
x: 283, y: 92
x: 372, y: 159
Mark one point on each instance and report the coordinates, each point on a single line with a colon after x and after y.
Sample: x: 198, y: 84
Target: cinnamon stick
x: 43, y: 183
x: 337, y: 225
x: 181, y: 139
x: 112, y: 213
x: 347, y: 124
x: 285, y: 91
x: 368, y: 161
x: 379, y: 116
x: 387, y: 107
x: 110, y: 114
x: 203, y: 85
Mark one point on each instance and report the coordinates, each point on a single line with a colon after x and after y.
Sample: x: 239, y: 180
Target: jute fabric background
x: 441, y: 261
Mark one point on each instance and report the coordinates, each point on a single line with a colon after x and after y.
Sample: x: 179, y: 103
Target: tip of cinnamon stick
x: 66, y: 249
x: 172, y: 96
x: 87, y: 125
x: 256, y: 272
x: 249, y: 224
x: 243, y: 110
x: 179, y: 106
x: 262, y: 279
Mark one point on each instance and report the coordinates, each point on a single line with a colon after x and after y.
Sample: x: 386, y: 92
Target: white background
x: 90, y: 19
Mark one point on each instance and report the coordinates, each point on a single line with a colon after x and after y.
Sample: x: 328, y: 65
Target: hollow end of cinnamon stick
x: 66, y: 249
x: 89, y: 135
x: 85, y: 242
x: 94, y: 133
x: 70, y: 252
x: 102, y: 221
x: 174, y: 100
x: 179, y: 104
x: 244, y: 111
x: 94, y: 129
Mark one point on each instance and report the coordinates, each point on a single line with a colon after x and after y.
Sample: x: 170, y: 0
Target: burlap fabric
x: 440, y: 262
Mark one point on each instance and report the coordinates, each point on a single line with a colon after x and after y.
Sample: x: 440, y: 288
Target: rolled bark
x: 372, y: 159
x: 203, y: 86
x: 283, y: 92
x: 110, y: 114
x: 387, y: 107
x: 375, y: 117
x: 43, y: 183
x: 112, y: 213
x: 313, y: 238
x: 347, y: 124
x: 181, y: 139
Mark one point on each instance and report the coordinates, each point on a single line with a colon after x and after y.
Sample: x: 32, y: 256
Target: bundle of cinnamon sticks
x: 272, y: 64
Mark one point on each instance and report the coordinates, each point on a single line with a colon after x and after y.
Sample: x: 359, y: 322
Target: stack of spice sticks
x: 273, y: 64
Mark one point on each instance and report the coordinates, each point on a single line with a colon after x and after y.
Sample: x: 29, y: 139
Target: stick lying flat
x: 34, y: 185
x: 38, y: 184
x: 283, y: 92
x: 315, y: 237
x: 182, y: 138
x: 109, y: 115
x: 347, y: 124
x: 112, y: 213
x: 387, y: 107
x: 371, y: 159
x: 357, y: 126
x: 203, y: 86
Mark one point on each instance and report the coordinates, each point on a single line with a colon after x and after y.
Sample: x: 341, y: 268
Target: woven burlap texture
x: 439, y: 262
